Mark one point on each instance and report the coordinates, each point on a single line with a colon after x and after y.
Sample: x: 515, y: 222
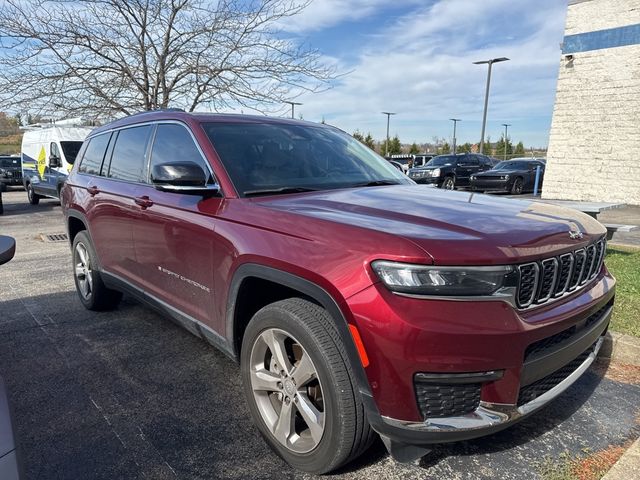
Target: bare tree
x: 113, y: 57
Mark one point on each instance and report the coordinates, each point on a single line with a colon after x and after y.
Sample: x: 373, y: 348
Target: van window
x: 128, y: 158
x: 94, y: 154
x: 70, y: 150
x: 173, y: 143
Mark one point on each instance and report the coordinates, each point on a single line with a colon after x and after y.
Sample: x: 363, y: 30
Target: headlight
x: 473, y: 177
x: 435, y: 172
x: 499, y: 281
x: 504, y: 177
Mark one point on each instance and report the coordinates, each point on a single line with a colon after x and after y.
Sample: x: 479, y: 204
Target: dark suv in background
x: 355, y: 301
x: 10, y: 171
x: 451, y: 171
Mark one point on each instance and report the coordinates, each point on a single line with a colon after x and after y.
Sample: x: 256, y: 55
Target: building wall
x: 594, y: 145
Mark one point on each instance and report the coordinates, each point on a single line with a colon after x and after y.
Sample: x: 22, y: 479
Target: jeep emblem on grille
x: 575, y: 234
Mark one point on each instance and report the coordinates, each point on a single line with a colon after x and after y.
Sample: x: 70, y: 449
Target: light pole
x: 455, y: 122
x: 386, y: 148
x: 506, y: 131
x: 293, y: 104
x: 486, y: 95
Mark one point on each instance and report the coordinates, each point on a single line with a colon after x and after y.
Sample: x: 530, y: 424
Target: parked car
x: 355, y: 301
x: 9, y: 463
x: 405, y: 160
x: 397, y: 165
x: 451, y: 171
x: 48, y: 153
x: 516, y: 176
x: 10, y: 171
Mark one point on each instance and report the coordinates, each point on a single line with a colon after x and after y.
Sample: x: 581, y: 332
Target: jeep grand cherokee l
x: 355, y: 300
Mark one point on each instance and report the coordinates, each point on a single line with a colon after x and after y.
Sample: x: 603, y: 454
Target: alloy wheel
x: 287, y: 390
x: 83, y: 271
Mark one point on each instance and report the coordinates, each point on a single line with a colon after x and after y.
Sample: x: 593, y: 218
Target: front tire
x: 518, y: 186
x: 34, y: 198
x: 92, y: 291
x: 449, y: 183
x: 300, y: 388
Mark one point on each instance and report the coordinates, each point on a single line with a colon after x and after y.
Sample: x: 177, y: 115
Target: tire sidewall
x: 317, y: 460
x: 83, y: 238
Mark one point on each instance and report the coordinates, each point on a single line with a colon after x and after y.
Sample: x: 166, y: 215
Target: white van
x: 48, y: 153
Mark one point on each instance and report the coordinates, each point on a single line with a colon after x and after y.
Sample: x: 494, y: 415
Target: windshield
x: 9, y: 162
x: 512, y: 166
x: 70, y: 150
x: 441, y: 160
x: 267, y: 158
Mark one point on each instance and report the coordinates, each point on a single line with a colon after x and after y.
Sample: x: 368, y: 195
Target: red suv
x: 354, y: 300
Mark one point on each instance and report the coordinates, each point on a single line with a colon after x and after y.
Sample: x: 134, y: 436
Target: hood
x: 454, y: 228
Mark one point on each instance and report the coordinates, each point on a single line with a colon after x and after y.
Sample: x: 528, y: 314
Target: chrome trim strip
x: 489, y: 414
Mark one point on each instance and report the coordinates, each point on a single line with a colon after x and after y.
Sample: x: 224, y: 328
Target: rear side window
x: 94, y: 154
x: 128, y: 158
x: 173, y: 143
x: 70, y: 150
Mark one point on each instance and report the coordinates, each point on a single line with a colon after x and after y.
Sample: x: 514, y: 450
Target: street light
x: 293, y: 104
x: 486, y: 95
x: 506, y: 130
x: 386, y: 149
x: 455, y: 121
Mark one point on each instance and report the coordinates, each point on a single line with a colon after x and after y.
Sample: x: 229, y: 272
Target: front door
x: 175, y: 234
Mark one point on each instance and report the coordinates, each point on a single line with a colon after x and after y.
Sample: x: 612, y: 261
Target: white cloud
x: 421, y: 67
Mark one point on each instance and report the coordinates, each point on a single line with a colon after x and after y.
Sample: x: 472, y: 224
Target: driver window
x: 173, y: 143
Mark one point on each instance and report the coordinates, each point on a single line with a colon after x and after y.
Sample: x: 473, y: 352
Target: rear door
x: 174, y: 235
x: 114, y: 209
x: 467, y: 166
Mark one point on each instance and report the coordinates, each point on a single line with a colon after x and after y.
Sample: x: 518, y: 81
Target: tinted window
x: 70, y: 150
x: 468, y: 160
x: 94, y: 154
x: 263, y: 158
x: 127, y: 159
x: 173, y: 143
x: 441, y: 160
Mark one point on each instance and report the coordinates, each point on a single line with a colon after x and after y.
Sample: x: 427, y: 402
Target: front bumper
x: 427, y: 180
x: 461, y: 337
x: 491, y: 185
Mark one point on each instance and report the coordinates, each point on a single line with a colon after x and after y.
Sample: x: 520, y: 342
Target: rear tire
x: 92, y: 291
x: 315, y: 420
x: 34, y: 198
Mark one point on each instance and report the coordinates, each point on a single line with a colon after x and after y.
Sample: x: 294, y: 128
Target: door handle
x: 144, y: 201
x: 93, y: 190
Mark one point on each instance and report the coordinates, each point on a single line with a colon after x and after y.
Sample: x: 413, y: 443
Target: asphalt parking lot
x: 128, y: 394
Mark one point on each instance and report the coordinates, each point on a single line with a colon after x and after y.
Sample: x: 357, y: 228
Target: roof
x: 200, y: 117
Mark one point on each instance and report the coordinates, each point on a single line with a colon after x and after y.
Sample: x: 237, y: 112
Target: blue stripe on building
x: 610, y: 38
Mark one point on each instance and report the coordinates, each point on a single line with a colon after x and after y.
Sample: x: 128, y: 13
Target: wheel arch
x: 297, y: 286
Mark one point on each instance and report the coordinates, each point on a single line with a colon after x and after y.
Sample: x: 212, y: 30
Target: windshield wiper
x: 277, y: 191
x: 376, y: 183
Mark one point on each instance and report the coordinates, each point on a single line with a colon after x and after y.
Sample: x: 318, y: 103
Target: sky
x: 414, y: 57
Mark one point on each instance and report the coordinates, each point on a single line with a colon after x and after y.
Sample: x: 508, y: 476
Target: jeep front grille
x: 549, y: 278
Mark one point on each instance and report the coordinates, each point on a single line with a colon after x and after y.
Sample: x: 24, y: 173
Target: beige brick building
x: 594, y: 145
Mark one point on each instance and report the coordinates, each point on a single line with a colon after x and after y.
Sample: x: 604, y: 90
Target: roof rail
x: 145, y: 112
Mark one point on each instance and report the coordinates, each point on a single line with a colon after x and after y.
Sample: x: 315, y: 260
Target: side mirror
x: 182, y: 177
x: 55, y: 161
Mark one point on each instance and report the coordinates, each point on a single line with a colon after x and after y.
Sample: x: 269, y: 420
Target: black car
x: 10, y: 171
x: 451, y: 171
x: 516, y: 176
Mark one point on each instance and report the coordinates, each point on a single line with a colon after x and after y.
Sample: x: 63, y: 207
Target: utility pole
x: 293, y: 104
x: 386, y: 148
x: 455, y: 121
x: 506, y: 130
x: 486, y: 94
